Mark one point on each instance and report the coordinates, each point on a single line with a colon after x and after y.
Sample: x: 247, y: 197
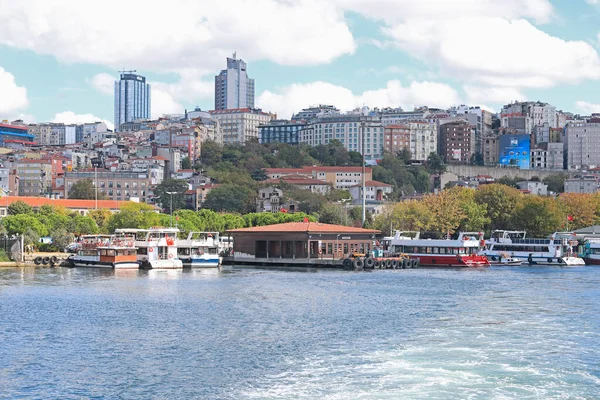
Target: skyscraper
x: 132, y: 98
x: 233, y: 88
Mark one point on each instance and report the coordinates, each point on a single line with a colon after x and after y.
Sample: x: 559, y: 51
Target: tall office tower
x: 132, y: 98
x: 233, y: 88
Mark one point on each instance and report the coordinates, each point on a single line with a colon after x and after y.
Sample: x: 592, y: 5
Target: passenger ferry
x: 559, y: 249
x: 456, y: 253
x: 156, y: 247
x: 105, y: 251
x: 200, y: 250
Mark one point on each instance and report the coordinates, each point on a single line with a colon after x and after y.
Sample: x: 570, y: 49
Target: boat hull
x: 162, y: 264
x: 83, y: 263
x: 451, y: 261
x: 201, y: 262
x: 592, y: 260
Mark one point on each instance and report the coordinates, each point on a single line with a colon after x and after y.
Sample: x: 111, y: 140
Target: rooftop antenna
x: 124, y: 71
x: 234, y: 53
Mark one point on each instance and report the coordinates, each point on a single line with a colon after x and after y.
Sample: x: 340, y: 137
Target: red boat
x: 453, y: 253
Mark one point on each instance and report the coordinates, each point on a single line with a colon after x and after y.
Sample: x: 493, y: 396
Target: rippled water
x: 501, y: 333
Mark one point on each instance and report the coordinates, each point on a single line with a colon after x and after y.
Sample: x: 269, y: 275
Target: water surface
x: 500, y: 333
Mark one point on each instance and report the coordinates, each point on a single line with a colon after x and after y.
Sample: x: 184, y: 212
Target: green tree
x: 61, y: 238
x: 84, y: 189
x: 101, y: 217
x: 19, y: 207
x: 31, y: 237
x: 186, y: 163
x: 170, y: 194
x: 211, y: 153
x: 83, y: 225
x: 538, y: 216
x: 447, y: 211
x: 501, y: 202
x: 259, y: 174
x: 330, y: 214
x: 476, y: 216
x: 308, y: 202
x: 20, y: 223
x: 134, y: 215
x: 435, y: 164
x: 556, y: 182
x: 405, y: 156
x: 232, y: 198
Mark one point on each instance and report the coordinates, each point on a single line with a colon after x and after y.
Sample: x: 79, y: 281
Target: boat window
x: 212, y: 250
x: 428, y: 250
x: 436, y: 250
x: 142, y: 250
x: 345, y: 248
x: 183, y: 251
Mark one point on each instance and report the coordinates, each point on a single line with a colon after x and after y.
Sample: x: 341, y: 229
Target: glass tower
x: 233, y: 88
x: 132, y: 98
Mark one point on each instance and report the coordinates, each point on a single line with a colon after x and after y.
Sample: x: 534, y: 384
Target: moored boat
x: 559, y: 249
x: 505, y: 260
x: 200, y: 250
x: 156, y: 247
x: 434, y: 252
x: 105, y: 251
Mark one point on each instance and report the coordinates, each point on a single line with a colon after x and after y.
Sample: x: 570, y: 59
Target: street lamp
x: 171, y: 193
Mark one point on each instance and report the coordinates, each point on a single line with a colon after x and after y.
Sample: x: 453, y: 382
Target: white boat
x: 559, y: 249
x: 225, y: 245
x: 156, y: 247
x: 105, y: 251
x: 200, y: 250
x: 431, y: 252
x: 505, y: 260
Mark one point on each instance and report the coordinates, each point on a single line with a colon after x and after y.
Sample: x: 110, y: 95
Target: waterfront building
x: 456, y: 142
x: 396, y: 138
x: 340, y: 177
x: 280, y: 131
x: 132, y: 98
x: 241, y: 124
x: 301, y: 240
x: 116, y: 185
x: 534, y: 187
x: 582, y: 144
x: 375, y: 192
x: 82, y: 207
x: 349, y: 130
x: 583, y: 184
x: 547, y: 156
x: 35, y: 177
x: 314, y: 112
x: 233, y: 87
x: 423, y: 139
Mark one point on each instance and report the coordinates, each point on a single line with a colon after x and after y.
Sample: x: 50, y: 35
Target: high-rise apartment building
x: 233, y: 88
x: 132, y: 98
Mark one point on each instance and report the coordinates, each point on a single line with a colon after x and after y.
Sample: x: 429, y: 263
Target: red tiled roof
x: 298, y: 181
x: 373, y: 184
x: 308, y: 227
x: 24, y: 128
x: 341, y: 169
x: 67, y: 203
x: 160, y: 158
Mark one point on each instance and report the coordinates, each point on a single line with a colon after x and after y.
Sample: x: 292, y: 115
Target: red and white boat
x: 453, y: 253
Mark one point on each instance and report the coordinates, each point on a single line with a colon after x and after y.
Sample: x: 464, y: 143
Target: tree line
x: 490, y: 207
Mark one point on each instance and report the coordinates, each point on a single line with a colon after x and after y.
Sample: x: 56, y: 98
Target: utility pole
x: 364, y: 194
x: 171, y: 194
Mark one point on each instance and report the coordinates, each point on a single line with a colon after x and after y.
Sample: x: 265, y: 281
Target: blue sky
x: 57, y: 61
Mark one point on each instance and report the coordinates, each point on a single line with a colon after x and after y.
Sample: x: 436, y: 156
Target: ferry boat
x: 105, y: 251
x: 200, y: 250
x: 455, y: 253
x: 559, y: 249
x: 156, y: 247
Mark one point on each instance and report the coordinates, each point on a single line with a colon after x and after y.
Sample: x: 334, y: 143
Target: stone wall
x: 497, y: 173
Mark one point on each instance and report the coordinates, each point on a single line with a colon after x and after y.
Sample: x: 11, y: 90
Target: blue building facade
x: 11, y: 132
x: 280, y: 131
x: 132, y: 99
x: 515, y: 150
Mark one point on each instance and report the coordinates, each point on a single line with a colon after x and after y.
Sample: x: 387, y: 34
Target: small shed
x: 301, y: 240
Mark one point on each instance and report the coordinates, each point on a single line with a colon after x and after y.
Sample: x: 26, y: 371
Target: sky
x: 59, y: 58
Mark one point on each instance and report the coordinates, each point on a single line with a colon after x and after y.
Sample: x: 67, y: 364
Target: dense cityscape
x: 127, y: 164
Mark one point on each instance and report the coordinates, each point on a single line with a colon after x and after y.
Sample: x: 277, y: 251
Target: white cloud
x: 69, y: 117
x: 293, y: 98
x: 587, y: 108
x: 478, y: 94
x: 13, y: 97
x: 182, y: 34
x: 502, y: 53
x: 162, y: 102
x: 104, y: 83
